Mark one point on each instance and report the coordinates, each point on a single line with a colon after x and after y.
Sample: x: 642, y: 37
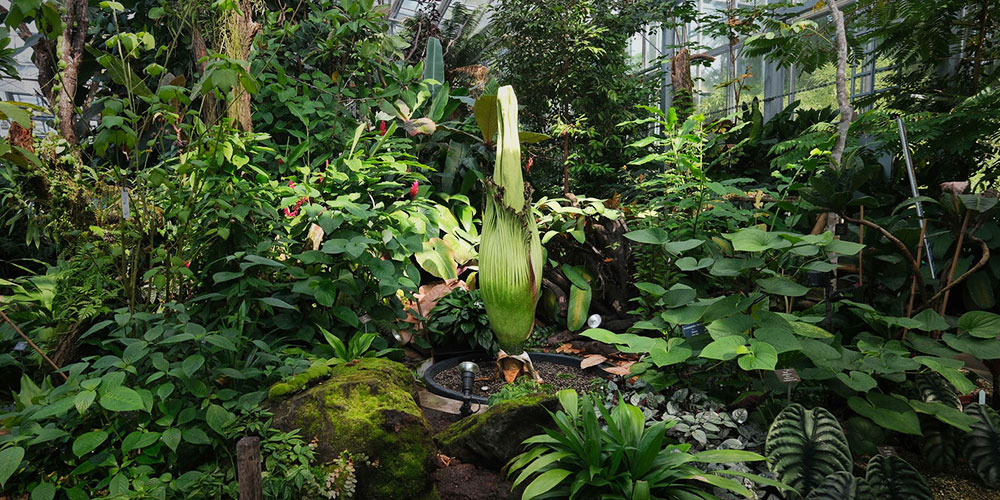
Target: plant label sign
x: 887, y: 451
x: 126, y: 213
x: 788, y: 375
x: 693, y: 329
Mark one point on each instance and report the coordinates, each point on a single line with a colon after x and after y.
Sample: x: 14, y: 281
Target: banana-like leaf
x: 981, y: 446
x: 804, y: 446
x: 510, y: 256
x: 842, y: 486
x: 891, y: 478
x: 578, y: 307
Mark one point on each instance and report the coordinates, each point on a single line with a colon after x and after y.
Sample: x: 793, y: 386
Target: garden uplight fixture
x: 469, y: 371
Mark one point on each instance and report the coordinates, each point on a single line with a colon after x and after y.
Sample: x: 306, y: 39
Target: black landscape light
x: 469, y: 371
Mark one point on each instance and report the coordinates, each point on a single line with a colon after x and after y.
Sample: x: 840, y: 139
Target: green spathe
x: 510, y: 255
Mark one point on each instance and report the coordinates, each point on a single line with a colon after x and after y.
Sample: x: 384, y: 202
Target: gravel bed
x: 489, y: 380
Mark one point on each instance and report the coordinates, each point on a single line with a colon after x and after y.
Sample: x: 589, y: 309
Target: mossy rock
x: 368, y: 407
x: 494, y: 437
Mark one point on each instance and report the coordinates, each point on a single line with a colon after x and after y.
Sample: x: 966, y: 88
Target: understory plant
x: 595, y: 453
x: 807, y: 450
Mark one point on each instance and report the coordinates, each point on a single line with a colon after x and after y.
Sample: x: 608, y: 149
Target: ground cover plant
x: 267, y: 219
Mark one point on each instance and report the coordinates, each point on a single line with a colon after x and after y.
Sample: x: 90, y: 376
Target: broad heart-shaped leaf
x: 693, y: 264
x: 677, y: 351
x: 979, y: 348
x: 121, y: 398
x: 171, y: 437
x: 754, y: 239
x: 979, y: 447
x: 948, y: 369
x: 762, y: 356
x: 679, y: 247
x: 887, y: 411
x: 843, y: 247
x: 947, y: 414
x: 980, y: 324
x: 841, y: 486
x: 544, y: 483
x: 803, y: 447
x: 10, y: 461
x: 932, y: 321
x: 725, y: 348
x: 88, y: 442
x: 44, y: 491
x: 859, y: 381
x: 218, y: 418
x: 654, y: 236
x: 891, y: 478
x: 782, y: 286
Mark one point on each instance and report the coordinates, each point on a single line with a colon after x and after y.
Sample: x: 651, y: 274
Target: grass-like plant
x: 622, y: 459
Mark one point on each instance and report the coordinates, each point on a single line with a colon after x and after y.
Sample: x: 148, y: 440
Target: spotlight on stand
x: 469, y: 371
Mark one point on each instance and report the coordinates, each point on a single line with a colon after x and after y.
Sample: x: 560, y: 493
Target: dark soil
x: 489, y: 380
x: 439, y: 420
x: 468, y: 482
x: 960, y: 487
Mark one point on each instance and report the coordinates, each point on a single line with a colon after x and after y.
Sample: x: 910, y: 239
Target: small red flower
x: 280, y: 162
x: 187, y: 263
x: 291, y: 183
x: 413, y: 189
x: 381, y: 127
x: 531, y: 161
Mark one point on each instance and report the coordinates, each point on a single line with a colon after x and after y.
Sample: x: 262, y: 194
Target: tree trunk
x: 846, y: 110
x: 73, y: 39
x: 240, y: 28
x: 200, y: 51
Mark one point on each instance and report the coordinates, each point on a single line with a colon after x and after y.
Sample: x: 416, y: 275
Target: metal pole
x: 913, y: 188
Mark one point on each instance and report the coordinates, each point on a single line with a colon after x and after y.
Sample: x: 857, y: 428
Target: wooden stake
x: 954, y: 261
x: 248, y: 468
x: 861, y: 254
x: 35, y: 347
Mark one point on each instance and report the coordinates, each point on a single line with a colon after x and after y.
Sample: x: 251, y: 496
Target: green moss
x: 467, y: 425
x: 296, y: 383
x: 368, y: 407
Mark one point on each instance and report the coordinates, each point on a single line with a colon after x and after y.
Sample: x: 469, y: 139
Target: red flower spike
x: 381, y: 127
x: 413, y: 189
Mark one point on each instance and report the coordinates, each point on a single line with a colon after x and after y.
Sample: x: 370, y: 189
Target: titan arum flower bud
x: 510, y: 254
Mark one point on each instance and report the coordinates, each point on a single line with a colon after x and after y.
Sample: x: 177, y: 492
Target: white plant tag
x: 126, y: 213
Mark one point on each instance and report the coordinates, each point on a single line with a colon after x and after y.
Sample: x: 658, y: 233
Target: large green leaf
x: 218, y: 418
x: 653, y: 236
x: 980, y: 324
x: 485, y: 112
x: 762, y: 356
x: 980, y: 446
x: 979, y: 348
x: 891, y: 478
x: 544, y: 483
x: 947, y: 414
x: 753, y: 239
x: 841, y: 485
x: 804, y: 446
x: 121, y: 399
x: 88, y: 442
x: 434, y: 61
x: 725, y: 348
x: 10, y: 461
x: 888, y: 411
x: 782, y: 286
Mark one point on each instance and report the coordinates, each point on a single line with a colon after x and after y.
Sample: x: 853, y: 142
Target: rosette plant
x: 510, y: 255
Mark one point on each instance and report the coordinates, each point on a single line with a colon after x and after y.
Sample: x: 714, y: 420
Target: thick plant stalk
x: 954, y: 261
x: 844, y: 100
x: 510, y: 255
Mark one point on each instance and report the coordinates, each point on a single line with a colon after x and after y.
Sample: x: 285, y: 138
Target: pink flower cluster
x: 293, y: 211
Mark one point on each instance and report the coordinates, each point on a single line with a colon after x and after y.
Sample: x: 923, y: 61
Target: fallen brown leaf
x: 591, y: 360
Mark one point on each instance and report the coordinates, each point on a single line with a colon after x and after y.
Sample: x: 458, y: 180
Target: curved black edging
x: 440, y: 366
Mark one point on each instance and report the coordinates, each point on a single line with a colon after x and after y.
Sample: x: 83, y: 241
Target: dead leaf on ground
x: 617, y: 370
x: 591, y: 360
